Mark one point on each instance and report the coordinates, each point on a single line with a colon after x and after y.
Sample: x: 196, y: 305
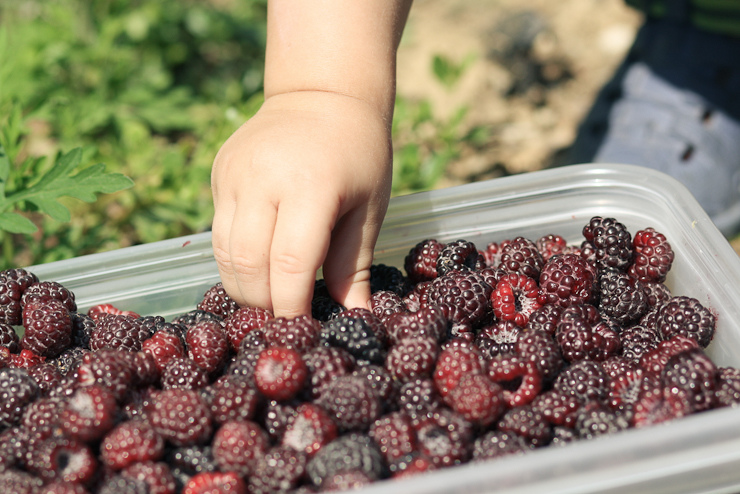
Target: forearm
x: 340, y: 46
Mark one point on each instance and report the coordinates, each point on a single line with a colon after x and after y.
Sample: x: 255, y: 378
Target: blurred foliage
x: 152, y: 88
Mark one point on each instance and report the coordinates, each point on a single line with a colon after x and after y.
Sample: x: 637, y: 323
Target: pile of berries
x: 466, y: 355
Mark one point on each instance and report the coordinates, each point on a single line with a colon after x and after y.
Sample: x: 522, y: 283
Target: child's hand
x: 305, y: 182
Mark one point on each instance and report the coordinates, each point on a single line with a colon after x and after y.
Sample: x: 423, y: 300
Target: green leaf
x: 15, y: 223
x: 4, y: 169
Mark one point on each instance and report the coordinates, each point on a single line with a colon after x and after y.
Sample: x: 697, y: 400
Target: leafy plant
x: 447, y: 71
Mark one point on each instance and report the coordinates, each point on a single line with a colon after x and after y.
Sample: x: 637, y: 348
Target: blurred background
x: 152, y: 88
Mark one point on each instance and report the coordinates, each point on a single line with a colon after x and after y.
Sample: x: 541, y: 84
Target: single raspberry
x: 9, y: 338
x: 455, y: 361
x: 82, y: 330
x: 419, y: 398
x: 388, y: 278
x: 608, y: 243
x: 395, y: 436
x: 13, y: 283
x: 325, y: 364
x: 300, y: 333
x: 46, y: 375
x: 26, y: 359
x: 244, y: 320
x: 625, y: 379
x: 90, y: 412
x: 497, y: 444
x: 657, y: 293
x: 374, y: 323
x: 541, y: 349
x: 552, y: 245
x: 695, y: 372
x: 181, y: 416
x: 207, y: 345
x: 653, y: 256
x: 41, y: 417
x: 67, y: 460
x: 50, y: 289
x: 309, y: 429
x: 48, y: 327
x: 728, y: 387
x: 216, y: 301
x: 545, y: 319
x: 189, y: 318
x: 428, y: 321
x: 188, y: 461
x: 498, y: 338
x: 459, y: 255
x: 445, y: 437
x: 688, y: 317
x: 281, y: 469
x: 17, y: 391
x: 234, y: 398
x: 528, y: 423
x: 465, y: 293
x: 385, y: 303
x: 349, y: 452
x: 417, y: 297
x: 637, y: 340
x: 515, y: 298
x: 119, y: 332
x: 655, y: 360
x: 621, y: 297
x: 580, y: 340
x: 20, y: 482
x: 412, y: 358
x: 215, y: 482
x: 586, y: 380
x: 354, y: 335
x: 163, y: 346
x: 97, y: 311
x: 566, y: 280
x: 521, y: 256
x: 520, y: 380
x: 184, y: 373
x: 131, y: 442
x: 492, y: 253
x: 657, y: 404
x: 237, y: 445
x: 352, y: 401
x: 596, y: 420
x: 275, y: 417
x: 478, y: 399
x: 381, y: 381
x: 156, y: 475
x: 111, y: 369
x: 421, y: 261
x: 557, y: 407
x: 280, y: 373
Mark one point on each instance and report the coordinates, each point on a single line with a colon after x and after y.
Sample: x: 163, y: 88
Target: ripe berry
x: 184, y: 373
x: 621, y: 297
x: 497, y: 444
x: 520, y: 380
x: 354, y: 335
x: 596, y: 420
x: 237, y: 445
x: 280, y: 469
x: 478, y: 399
x: 280, y: 373
x: 244, y: 320
x: 119, y: 332
x: 528, y: 423
x: 694, y: 372
x: 66, y: 460
x: 310, y: 429
x: 216, y: 301
x: 324, y: 365
x: 300, y: 333
x: 181, y: 416
x: 234, y: 398
x: 445, y: 437
x: 90, y: 412
x: 521, y: 256
x: 453, y: 363
x: 163, y: 346
x: 653, y: 256
x: 585, y: 380
x: 515, y: 298
x: 352, y: 401
x: 421, y: 262
x: 215, y: 482
x: 388, y: 278
x: 207, y: 345
x: 48, y: 327
x: 412, y: 358
x: 608, y: 243
x: 465, y: 292
x: 50, y: 289
x: 17, y: 390
x: 156, y: 475
x: 97, y: 311
x: 395, y: 436
x: 566, y: 280
x: 459, y: 255
x: 9, y: 338
x: 130, y: 442
x: 686, y: 316
x: 349, y: 452
x: 551, y: 245
x: 13, y: 283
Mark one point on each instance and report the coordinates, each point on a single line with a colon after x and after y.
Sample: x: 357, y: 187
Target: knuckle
x: 288, y: 263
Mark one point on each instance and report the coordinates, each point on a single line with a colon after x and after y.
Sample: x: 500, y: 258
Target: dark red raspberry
x: 625, y: 379
x: 521, y: 256
x: 552, y: 245
x: 541, y: 349
x: 428, y: 321
x: 300, y: 333
x: 146, y: 371
x: 557, y: 407
x: 497, y: 444
x: 515, y: 298
x: 50, y: 289
x: 419, y: 398
x: 655, y: 360
x: 657, y: 404
x: 728, y: 387
x: 156, y: 475
x: 545, y: 319
x: 412, y: 358
x: 234, y: 398
x: 97, y: 311
x: 498, y: 338
x: 69, y: 360
x: 244, y: 320
x: 17, y: 391
x: 354, y: 335
x: 216, y: 301
x: 281, y: 469
x: 637, y: 340
x: 388, y: 278
x: 181, y: 416
x: 280, y: 373
x: 111, y: 369
x: 528, y: 423
x: 373, y: 322
x: 62, y: 487
x: 566, y: 280
x: 381, y: 381
x: 653, y: 256
x: 621, y: 297
x: 657, y: 293
x: 41, y: 417
x: 346, y: 480
x: 131, y: 442
x: 309, y: 429
x: 453, y: 363
x: 421, y: 261
x: 119, y: 332
x: 352, y: 401
x: 215, y: 482
x: 492, y: 253
x: 580, y: 340
x: 184, y: 373
x: 585, y: 380
x: 90, y: 412
x: 694, y: 372
x: 347, y: 453
x: 688, y: 317
x: 384, y: 304
x: 325, y: 364
x: 163, y: 346
x: 468, y: 296
x: 9, y: 338
x: 67, y: 460
x: 478, y: 399
x: 207, y: 345
x: 520, y: 380
x: 194, y: 316
x: 46, y: 375
x: 238, y: 444
x: 19, y: 482
x: 48, y: 327
x: 459, y: 255
x: 13, y: 283
x: 411, y: 464
x: 26, y: 359
x: 608, y: 243
x: 82, y: 330
x: 596, y: 420
x: 395, y: 436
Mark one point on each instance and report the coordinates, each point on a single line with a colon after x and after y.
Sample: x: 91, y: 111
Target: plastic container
x: 700, y: 453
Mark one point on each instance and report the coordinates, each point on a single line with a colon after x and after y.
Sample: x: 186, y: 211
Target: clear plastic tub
x: 696, y: 454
